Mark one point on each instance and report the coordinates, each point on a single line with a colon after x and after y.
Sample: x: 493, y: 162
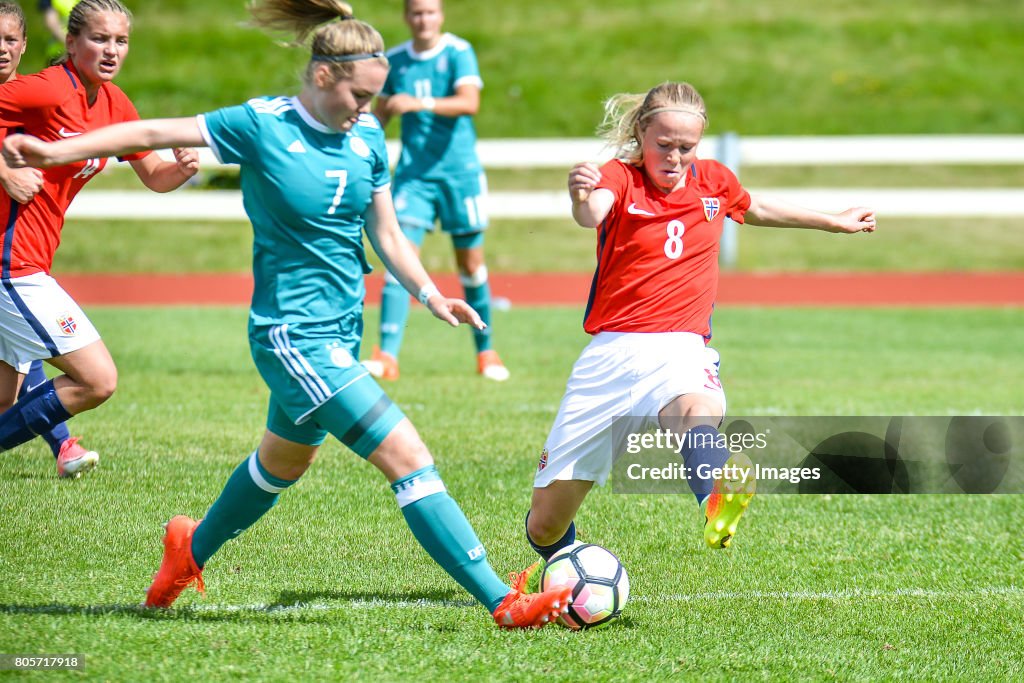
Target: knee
x: 703, y: 408
x: 401, y: 453
x: 100, y: 387
x: 291, y: 470
x: 104, y: 389
x: 695, y: 409
x: 544, y: 529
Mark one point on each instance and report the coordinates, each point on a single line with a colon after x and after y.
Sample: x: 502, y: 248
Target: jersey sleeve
x: 28, y: 98
x: 467, y: 71
x: 737, y: 197
x: 231, y: 133
x: 614, y: 178
x: 381, y: 175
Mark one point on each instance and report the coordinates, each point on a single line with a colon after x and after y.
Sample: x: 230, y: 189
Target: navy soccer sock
x: 703, y: 450
x: 36, y: 376
x: 546, y: 551
x: 37, y: 412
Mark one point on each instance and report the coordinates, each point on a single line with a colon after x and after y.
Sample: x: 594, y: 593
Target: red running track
x: 572, y: 289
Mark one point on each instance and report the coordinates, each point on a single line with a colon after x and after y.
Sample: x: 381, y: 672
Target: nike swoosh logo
x: 637, y: 212
x: 66, y: 133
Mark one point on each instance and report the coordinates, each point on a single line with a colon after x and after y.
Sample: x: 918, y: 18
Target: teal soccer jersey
x: 434, y: 146
x: 305, y: 189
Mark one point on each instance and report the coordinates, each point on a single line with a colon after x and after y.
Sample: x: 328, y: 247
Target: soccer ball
x: 600, y: 586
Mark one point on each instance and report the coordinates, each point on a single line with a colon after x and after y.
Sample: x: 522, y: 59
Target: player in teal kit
x: 434, y: 86
x: 314, y: 178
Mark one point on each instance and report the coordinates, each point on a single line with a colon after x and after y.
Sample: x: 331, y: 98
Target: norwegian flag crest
x: 543, y: 460
x: 711, y: 207
x: 67, y: 324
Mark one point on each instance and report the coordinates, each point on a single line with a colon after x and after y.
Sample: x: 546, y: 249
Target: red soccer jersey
x: 657, y: 253
x: 51, y: 105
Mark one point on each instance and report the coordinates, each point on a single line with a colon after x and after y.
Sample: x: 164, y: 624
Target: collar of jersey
x: 310, y: 121
x: 432, y: 52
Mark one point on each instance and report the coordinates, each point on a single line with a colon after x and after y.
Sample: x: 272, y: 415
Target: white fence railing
x: 731, y: 149
x: 227, y: 204
x: 759, y: 151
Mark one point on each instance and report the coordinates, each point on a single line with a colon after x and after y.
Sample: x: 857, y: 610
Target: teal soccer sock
x: 250, y: 492
x: 439, y: 525
x: 478, y: 295
x: 394, y: 312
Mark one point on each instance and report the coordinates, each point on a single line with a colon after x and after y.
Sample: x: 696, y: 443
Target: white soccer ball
x: 600, y: 585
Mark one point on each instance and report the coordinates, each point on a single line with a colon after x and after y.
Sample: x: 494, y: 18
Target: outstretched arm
x: 402, y: 261
x: 116, y: 140
x: 776, y: 213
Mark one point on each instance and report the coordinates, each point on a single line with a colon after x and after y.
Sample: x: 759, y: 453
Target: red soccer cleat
x: 178, y: 570
x: 382, y: 365
x: 531, y: 610
x: 73, y: 460
x: 489, y: 364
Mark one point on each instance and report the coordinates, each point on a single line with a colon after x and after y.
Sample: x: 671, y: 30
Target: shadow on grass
x: 304, y: 606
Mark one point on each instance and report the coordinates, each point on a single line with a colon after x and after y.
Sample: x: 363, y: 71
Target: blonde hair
x: 336, y: 37
x: 11, y: 9
x: 626, y: 116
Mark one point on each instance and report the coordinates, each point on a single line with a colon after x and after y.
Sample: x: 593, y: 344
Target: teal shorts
x: 456, y: 201
x: 317, y: 387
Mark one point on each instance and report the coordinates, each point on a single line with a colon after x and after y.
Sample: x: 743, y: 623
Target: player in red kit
x: 658, y: 211
x: 38, y: 320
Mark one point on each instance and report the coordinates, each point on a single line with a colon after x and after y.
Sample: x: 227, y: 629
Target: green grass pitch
x: 331, y: 584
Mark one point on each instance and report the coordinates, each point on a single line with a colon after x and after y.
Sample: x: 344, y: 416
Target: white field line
x: 824, y: 150
x: 227, y: 204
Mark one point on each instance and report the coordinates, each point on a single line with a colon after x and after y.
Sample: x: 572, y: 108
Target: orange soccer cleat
x: 382, y: 365
x: 178, y: 570
x: 489, y: 364
x: 528, y: 580
x: 531, y: 610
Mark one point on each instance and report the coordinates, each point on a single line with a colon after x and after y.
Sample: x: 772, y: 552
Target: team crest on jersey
x: 543, y: 460
x: 711, y: 207
x: 67, y: 324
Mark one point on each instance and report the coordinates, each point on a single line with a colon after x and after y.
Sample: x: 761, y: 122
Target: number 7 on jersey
x: 342, y: 177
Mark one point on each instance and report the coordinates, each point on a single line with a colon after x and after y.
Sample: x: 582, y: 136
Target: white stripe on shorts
x: 297, y: 366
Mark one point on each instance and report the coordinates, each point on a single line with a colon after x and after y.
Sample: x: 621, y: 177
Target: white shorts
x: 618, y: 375
x: 39, y: 320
